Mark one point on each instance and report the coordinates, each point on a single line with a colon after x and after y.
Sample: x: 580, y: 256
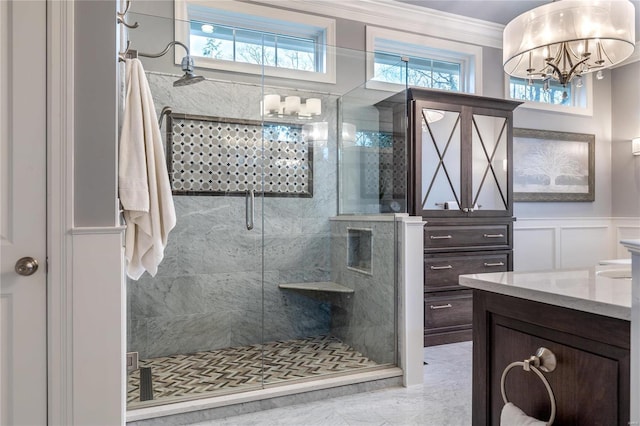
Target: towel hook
x: 123, y: 55
x: 120, y: 17
x: 544, y: 360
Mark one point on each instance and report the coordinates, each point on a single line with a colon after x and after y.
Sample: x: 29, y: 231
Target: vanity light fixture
x: 566, y: 39
x: 292, y: 106
x: 635, y: 146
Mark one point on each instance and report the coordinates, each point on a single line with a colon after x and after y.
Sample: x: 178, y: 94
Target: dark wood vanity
x: 583, y: 318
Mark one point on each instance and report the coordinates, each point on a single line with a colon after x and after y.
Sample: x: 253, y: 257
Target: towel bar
x: 544, y: 360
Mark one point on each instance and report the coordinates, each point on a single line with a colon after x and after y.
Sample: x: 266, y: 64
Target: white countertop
x: 581, y: 289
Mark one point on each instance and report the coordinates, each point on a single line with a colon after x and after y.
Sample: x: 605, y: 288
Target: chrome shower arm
x: 166, y: 49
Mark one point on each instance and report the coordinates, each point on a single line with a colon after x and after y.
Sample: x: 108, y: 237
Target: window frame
x: 182, y: 33
x: 586, y: 110
x: 467, y: 55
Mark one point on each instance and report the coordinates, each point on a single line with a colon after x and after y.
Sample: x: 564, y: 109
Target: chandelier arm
x: 573, y: 69
x: 556, y: 70
x: 604, y: 52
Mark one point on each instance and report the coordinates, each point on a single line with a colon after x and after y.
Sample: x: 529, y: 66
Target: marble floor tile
x: 443, y: 400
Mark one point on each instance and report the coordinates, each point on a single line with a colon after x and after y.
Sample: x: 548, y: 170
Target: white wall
x: 625, y: 126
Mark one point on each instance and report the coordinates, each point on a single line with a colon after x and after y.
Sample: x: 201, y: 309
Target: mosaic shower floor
x: 182, y: 377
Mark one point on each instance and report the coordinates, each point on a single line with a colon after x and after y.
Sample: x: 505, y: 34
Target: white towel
x: 143, y: 181
x: 513, y: 416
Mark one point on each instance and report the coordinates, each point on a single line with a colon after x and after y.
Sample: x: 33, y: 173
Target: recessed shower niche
x: 359, y: 250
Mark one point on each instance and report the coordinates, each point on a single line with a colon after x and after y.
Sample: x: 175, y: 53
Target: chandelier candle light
x: 292, y: 105
x: 566, y: 39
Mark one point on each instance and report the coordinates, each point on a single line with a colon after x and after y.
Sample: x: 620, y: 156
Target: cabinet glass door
x: 489, y: 165
x: 440, y: 134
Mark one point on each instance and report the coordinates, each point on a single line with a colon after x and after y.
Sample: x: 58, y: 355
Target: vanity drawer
x: 443, y: 271
x: 447, y: 310
x: 437, y: 237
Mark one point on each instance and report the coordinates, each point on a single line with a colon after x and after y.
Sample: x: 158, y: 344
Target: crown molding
x: 409, y: 17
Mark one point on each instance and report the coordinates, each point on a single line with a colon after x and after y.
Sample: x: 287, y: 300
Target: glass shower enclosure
x: 281, y: 268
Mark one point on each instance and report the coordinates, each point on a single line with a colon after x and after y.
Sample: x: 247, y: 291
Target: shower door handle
x: 249, y: 201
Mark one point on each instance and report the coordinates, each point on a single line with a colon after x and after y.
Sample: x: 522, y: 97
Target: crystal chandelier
x: 566, y: 39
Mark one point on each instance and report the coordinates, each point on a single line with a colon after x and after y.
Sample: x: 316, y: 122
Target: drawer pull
x: 494, y: 264
x: 448, y: 305
x: 437, y: 268
x: 494, y: 235
x: 440, y: 237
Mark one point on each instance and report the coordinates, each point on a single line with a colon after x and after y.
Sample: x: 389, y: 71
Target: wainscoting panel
x: 534, y: 249
x: 554, y: 243
x: 584, y: 246
x: 625, y: 229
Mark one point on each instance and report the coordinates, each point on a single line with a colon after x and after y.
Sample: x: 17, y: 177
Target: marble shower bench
x: 325, y: 286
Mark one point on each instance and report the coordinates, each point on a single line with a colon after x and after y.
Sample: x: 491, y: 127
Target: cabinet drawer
x: 466, y: 236
x: 440, y: 271
x: 447, y: 310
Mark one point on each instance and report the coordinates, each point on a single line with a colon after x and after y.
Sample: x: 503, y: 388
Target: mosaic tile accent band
x: 192, y: 375
x: 221, y: 156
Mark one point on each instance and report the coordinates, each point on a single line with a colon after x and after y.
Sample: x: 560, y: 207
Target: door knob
x: 26, y: 266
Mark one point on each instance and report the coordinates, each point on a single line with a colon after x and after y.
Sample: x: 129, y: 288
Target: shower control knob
x: 26, y: 266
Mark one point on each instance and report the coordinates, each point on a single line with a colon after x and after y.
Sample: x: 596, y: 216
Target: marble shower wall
x: 366, y: 320
x: 208, y: 292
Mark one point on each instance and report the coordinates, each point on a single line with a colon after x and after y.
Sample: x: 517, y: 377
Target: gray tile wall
x: 366, y: 320
x: 208, y: 292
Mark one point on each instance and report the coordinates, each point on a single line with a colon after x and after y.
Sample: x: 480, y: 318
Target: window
x: 432, y: 63
x: 239, y: 37
x: 576, y: 101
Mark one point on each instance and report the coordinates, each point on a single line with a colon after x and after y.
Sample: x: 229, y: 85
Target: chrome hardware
x: 120, y: 17
x: 448, y: 305
x: 544, y: 359
x: 440, y: 237
x: 26, y: 266
x: 437, y: 268
x: 493, y: 264
x: 466, y: 209
x: 493, y: 235
x: 249, y: 203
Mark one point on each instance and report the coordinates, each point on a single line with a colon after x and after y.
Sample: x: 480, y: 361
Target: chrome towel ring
x: 544, y: 360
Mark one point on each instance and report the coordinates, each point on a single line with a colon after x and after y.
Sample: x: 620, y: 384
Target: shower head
x: 187, y: 64
x: 189, y: 77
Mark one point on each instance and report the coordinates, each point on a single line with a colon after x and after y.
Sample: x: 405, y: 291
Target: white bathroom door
x: 23, y: 347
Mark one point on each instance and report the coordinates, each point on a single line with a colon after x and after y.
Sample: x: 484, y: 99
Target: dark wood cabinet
x: 590, y: 383
x: 459, y: 180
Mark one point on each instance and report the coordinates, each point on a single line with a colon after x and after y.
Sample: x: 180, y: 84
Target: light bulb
x: 579, y: 82
x: 599, y: 75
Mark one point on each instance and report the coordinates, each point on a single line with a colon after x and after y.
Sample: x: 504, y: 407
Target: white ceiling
x: 498, y: 11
